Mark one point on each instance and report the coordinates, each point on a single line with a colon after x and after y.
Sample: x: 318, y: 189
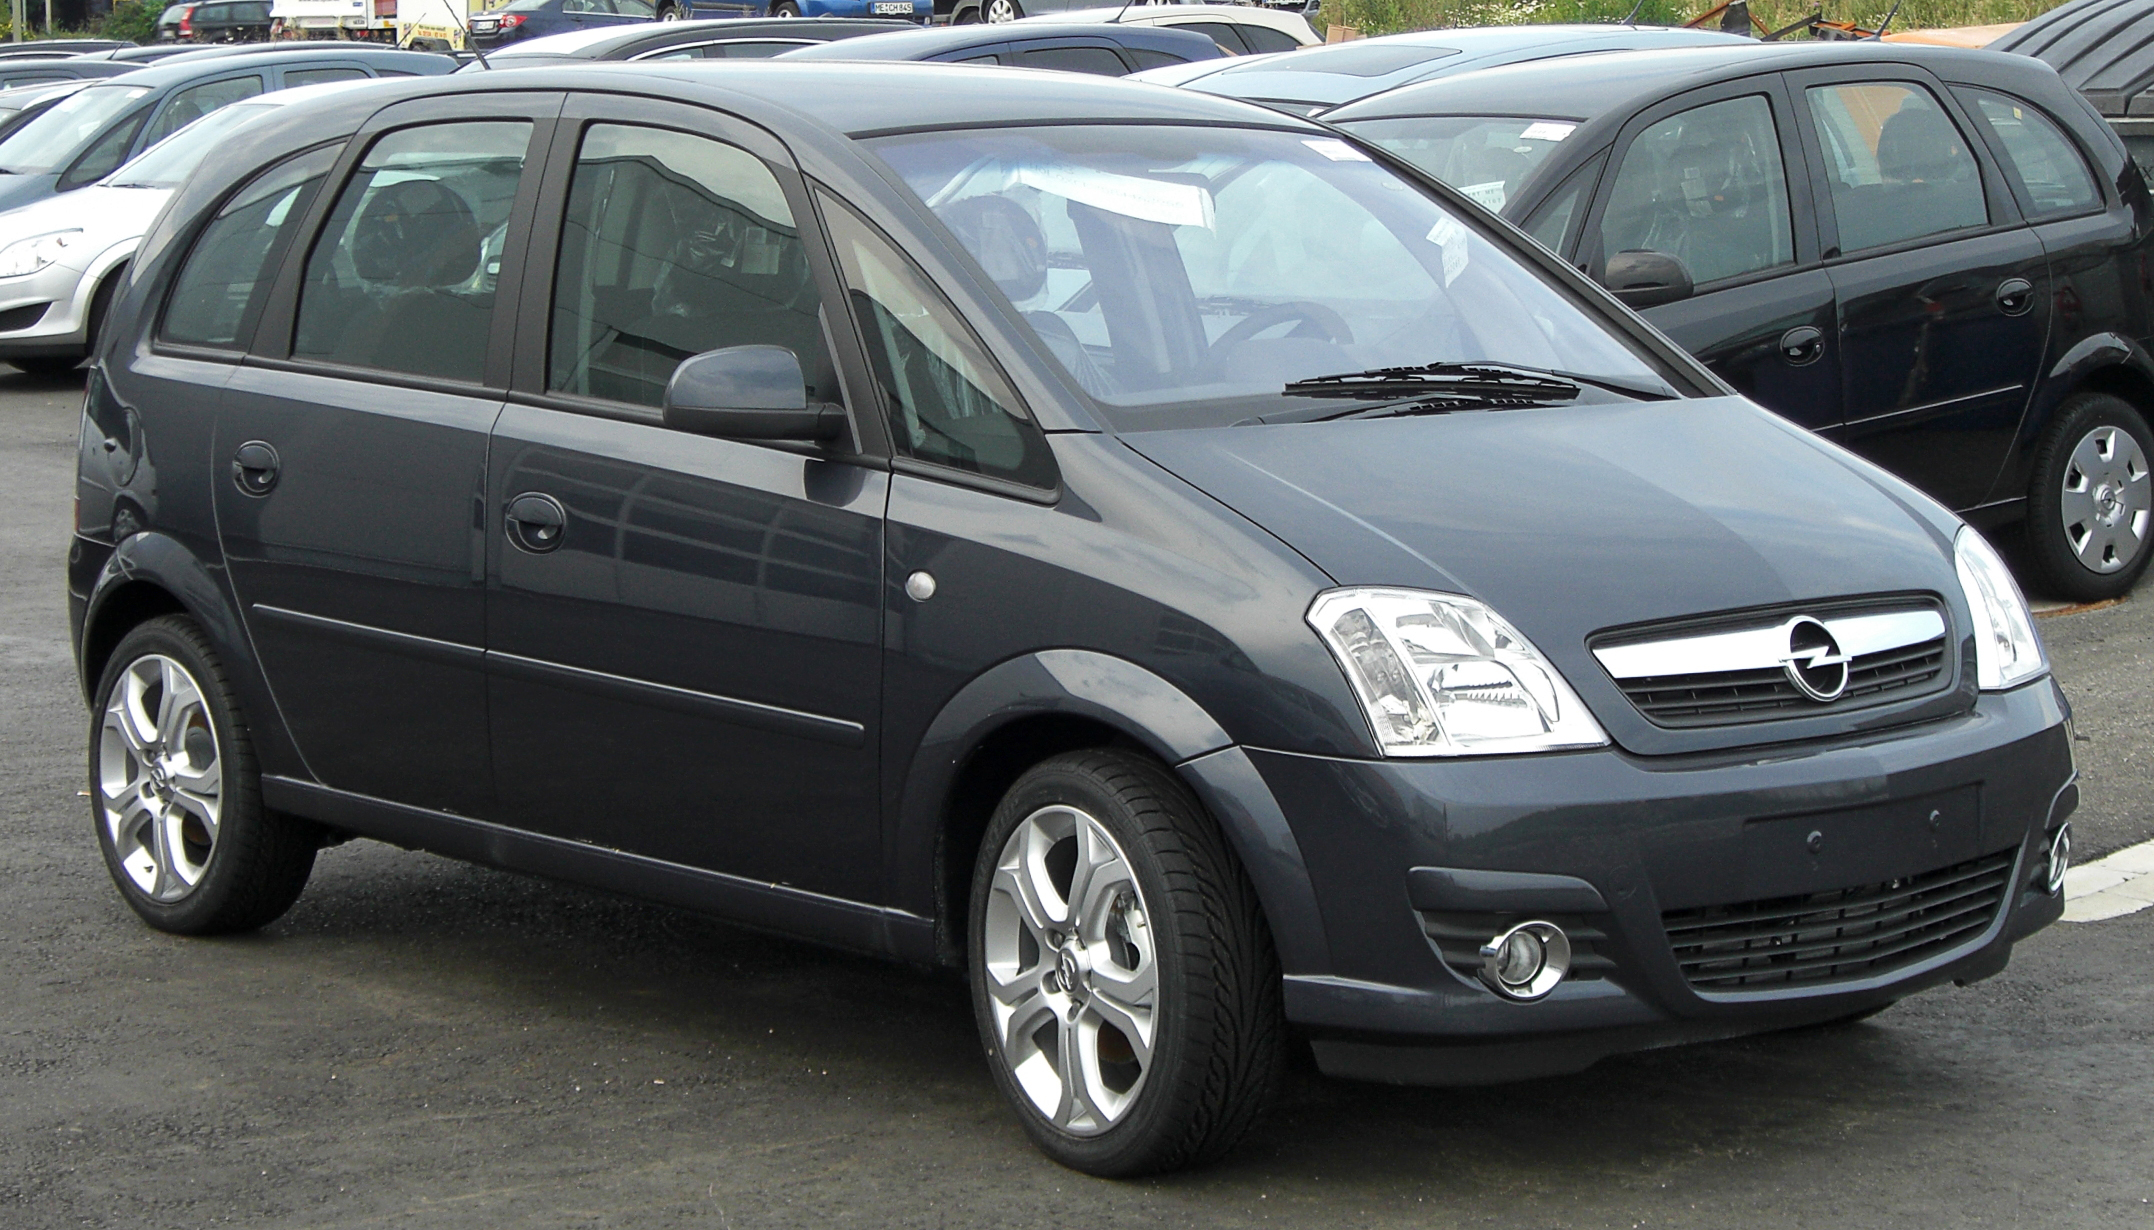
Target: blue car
x: 904, y: 10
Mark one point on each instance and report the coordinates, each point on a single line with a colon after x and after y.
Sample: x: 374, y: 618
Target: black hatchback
x: 1932, y: 256
x: 1137, y: 548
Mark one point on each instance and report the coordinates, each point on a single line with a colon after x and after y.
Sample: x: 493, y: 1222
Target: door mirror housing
x: 748, y: 393
x: 1644, y: 279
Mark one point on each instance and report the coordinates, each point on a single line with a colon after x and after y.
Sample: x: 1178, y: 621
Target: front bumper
x: 1650, y: 834
x: 61, y: 328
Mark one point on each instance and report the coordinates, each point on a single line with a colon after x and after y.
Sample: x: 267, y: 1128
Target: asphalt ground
x: 422, y: 1043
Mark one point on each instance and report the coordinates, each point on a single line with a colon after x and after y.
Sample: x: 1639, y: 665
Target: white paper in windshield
x: 1451, y: 237
x: 1336, y: 150
x: 1547, y: 130
x: 1148, y: 200
x: 1488, y: 196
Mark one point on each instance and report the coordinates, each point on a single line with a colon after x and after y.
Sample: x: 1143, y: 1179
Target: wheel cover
x: 160, y: 778
x: 2106, y: 502
x: 1070, y: 970
x: 999, y: 11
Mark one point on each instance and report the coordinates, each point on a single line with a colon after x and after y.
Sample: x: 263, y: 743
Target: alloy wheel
x: 995, y: 12
x: 160, y: 778
x: 2106, y: 501
x: 1071, y: 970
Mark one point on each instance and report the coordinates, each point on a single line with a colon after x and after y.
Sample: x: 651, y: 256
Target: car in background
x: 522, y: 19
x: 1101, y: 49
x: 731, y: 38
x: 225, y: 21
x: 62, y: 258
x: 2105, y: 50
x: 170, y: 21
x: 1931, y: 256
x: 24, y: 102
x: 917, y: 12
x: 59, y: 47
x: 21, y: 72
x: 1313, y: 81
x: 137, y: 55
x: 1239, y: 29
x: 87, y: 135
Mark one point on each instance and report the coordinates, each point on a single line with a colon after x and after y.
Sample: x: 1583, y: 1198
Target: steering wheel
x: 1328, y: 324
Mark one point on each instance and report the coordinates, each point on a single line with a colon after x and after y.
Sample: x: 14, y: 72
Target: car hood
x: 1573, y: 520
x: 105, y: 215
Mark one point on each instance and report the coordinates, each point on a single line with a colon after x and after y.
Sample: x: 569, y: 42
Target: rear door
x: 687, y: 664
x: 1942, y: 290
x: 357, y: 433
x: 1716, y: 178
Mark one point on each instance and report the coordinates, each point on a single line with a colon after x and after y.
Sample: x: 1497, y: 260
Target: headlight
x: 2007, y: 652
x: 1443, y: 675
x: 30, y: 255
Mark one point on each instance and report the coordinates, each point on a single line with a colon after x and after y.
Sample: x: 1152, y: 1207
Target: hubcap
x: 2106, y: 500
x: 160, y: 779
x: 999, y: 11
x: 1070, y: 970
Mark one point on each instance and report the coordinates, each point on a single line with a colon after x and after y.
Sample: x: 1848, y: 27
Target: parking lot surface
x: 424, y: 1043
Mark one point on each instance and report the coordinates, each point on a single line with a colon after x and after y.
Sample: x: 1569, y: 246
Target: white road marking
x: 2111, y: 887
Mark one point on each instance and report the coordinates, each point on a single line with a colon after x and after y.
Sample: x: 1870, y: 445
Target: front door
x: 684, y: 631
x: 1943, y: 293
x: 357, y: 445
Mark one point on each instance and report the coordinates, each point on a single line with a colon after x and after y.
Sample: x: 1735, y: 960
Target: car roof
x: 2102, y: 48
x: 596, y: 43
x: 30, y: 95
x: 924, y: 44
x: 158, y: 75
x: 1583, y: 87
x: 1233, y: 14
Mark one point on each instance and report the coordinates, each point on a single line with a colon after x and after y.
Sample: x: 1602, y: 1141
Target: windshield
x: 173, y: 159
x: 1489, y: 158
x: 51, y: 140
x: 1184, y: 276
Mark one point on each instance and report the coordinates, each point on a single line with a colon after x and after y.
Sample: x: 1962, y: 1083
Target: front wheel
x: 1127, y: 992
x: 669, y: 12
x: 785, y: 8
x: 2090, y: 508
x: 995, y: 12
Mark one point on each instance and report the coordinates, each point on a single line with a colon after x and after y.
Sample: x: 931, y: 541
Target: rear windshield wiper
x: 1438, y: 388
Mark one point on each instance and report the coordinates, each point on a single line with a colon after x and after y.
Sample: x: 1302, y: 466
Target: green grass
x: 1392, y: 16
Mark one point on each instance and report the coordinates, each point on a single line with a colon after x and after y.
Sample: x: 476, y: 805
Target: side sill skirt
x: 754, y: 903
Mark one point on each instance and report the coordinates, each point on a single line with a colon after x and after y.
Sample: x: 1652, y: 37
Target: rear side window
x: 402, y: 276
x: 2048, y: 164
x: 675, y: 245
x: 296, y: 77
x: 1707, y: 185
x: 946, y: 400
x: 188, y: 105
x: 217, y: 294
x: 1099, y: 61
x: 1895, y: 164
x: 1217, y: 31
x: 1264, y: 39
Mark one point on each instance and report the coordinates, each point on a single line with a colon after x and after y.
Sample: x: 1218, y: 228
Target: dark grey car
x: 1136, y: 548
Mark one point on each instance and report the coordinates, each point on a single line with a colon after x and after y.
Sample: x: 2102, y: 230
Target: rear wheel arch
x: 120, y: 610
x: 2121, y: 381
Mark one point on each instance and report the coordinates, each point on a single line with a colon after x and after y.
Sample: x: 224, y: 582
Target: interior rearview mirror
x: 1647, y: 279
x: 748, y: 393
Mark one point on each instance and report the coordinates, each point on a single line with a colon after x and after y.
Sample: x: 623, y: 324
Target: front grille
x: 1831, y: 937
x: 22, y: 317
x: 1726, y: 697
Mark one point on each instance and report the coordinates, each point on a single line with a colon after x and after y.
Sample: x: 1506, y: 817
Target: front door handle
x: 1802, y: 345
x: 535, y: 521
x: 2015, y: 296
x: 254, y: 467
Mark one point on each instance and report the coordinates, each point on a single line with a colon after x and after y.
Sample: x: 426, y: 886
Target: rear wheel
x: 669, y: 12
x: 995, y: 12
x: 785, y: 8
x: 1126, y: 989
x: 2090, y: 513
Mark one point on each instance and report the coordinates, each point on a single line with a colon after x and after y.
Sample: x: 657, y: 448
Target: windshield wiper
x: 1438, y: 388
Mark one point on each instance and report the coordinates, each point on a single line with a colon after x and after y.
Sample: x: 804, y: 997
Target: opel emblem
x: 1814, y: 663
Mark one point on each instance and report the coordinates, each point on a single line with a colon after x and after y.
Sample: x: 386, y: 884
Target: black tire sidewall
x: 2056, y: 568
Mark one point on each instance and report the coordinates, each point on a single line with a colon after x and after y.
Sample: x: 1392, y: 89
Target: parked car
x: 1239, y: 29
x: 139, y: 55
x: 730, y: 38
x: 62, y: 258
x: 2102, y: 49
x: 225, y: 21
x: 905, y: 10
x: 1194, y: 577
x: 1103, y: 50
x: 58, y: 47
x: 1314, y: 81
x: 15, y: 73
x: 169, y: 21
x: 522, y: 19
x: 24, y: 102
x: 1948, y: 289
x: 87, y: 135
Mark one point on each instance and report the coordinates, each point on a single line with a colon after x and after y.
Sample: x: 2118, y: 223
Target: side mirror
x: 747, y: 393
x: 1647, y: 279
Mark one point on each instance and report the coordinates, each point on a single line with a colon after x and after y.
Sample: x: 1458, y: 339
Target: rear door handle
x: 2015, y: 296
x: 1802, y: 345
x: 254, y: 467
x: 535, y: 522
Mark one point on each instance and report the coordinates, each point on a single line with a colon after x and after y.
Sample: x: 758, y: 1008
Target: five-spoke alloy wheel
x: 2091, y: 510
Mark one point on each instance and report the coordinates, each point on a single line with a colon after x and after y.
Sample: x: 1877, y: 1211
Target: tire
x: 51, y: 366
x: 1173, y: 942
x: 152, y: 798
x: 785, y: 8
x: 669, y: 12
x: 968, y: 17
x: 995, y: 12
x: 2090, y: 511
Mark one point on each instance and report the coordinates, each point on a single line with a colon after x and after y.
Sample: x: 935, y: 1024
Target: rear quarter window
x: 2047, y: 162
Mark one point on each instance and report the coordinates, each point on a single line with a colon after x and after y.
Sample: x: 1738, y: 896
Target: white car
x: 1239, y: 29
x: 62, y: 258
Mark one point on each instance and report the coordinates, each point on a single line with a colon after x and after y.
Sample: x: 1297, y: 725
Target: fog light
x: 1527, y: 961
x: 2060, y: 858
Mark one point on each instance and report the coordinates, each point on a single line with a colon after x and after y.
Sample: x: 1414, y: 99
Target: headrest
x: 1919, y: 143
x: 416, y: 233
x: 1002, y: 236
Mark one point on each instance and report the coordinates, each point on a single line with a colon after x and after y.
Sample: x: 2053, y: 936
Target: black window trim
x: 671, y: 48
x: 2104, y: 192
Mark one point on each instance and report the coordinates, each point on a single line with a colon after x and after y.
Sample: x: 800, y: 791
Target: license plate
x: 893, y: 8
x: 479, y: 24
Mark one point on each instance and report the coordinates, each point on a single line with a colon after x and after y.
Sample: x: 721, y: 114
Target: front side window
x: 1551, y: 223
x: 1486, y: 157
x: 1895, y: 164
x: 217, y: 294
x: 674, y: 245
x: 55, y: 136
x: 947, y: 401
x: 2049, y: 166
x: 1186, y: 276
x: 188, y: 105
x: 1707, y: 185
x: 297, y: 77
x: 402, y: 276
